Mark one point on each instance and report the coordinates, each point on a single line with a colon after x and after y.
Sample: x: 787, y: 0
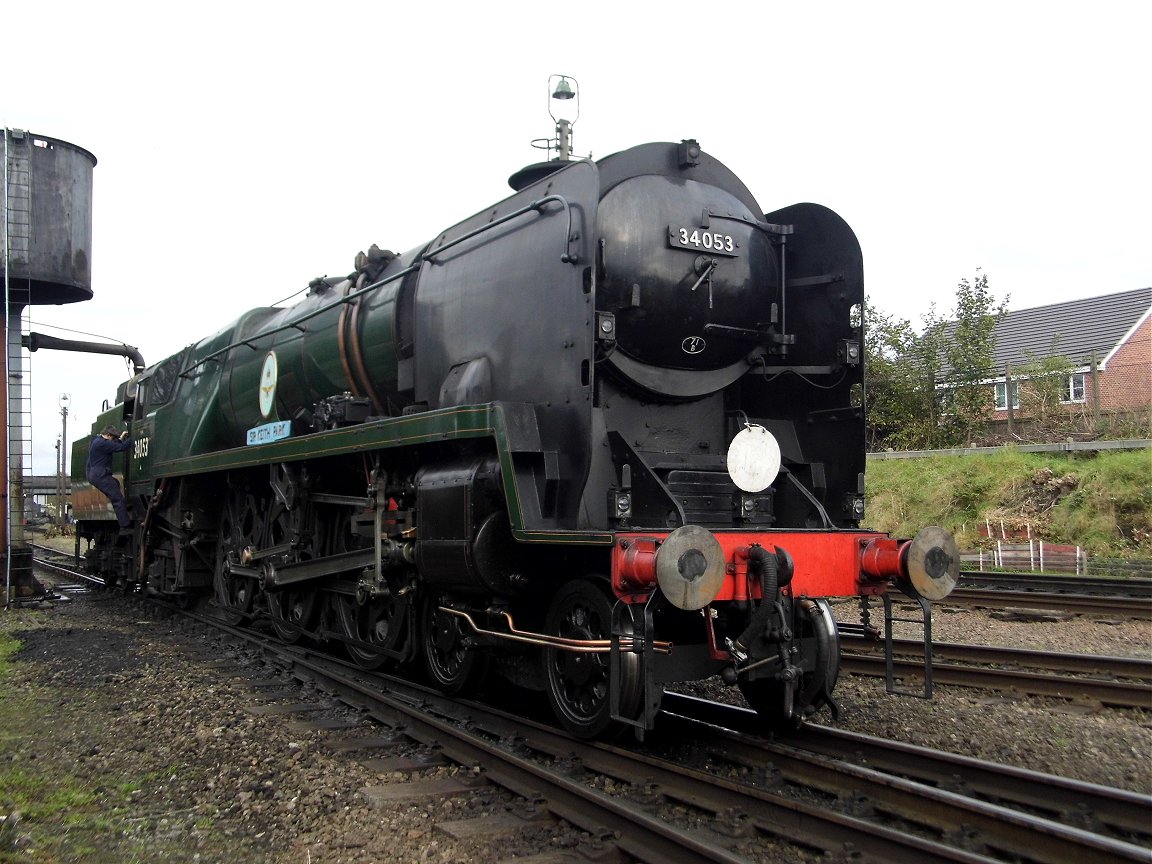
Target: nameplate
x: 270, y: 432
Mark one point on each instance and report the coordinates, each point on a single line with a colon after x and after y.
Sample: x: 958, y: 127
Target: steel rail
x: 1122, y: 694
x: 950, y: 814
x: 1053, y: 582
x: 1138, y: 608
x: 1073, y: 802
x: 60, y: 569
x: 1139, y: 668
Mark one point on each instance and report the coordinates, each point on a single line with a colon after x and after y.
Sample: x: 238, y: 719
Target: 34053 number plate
x: 702, y: 240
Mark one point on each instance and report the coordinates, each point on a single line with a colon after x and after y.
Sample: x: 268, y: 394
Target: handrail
x: 313, y: 314
x: 536, y: 205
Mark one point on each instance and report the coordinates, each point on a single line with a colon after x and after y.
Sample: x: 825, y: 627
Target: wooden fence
x: 1034, y: 555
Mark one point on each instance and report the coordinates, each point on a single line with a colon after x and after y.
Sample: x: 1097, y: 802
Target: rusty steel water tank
x: 46, y: 219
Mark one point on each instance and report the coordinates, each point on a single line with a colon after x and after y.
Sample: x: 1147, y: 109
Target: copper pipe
x: 579, y: 646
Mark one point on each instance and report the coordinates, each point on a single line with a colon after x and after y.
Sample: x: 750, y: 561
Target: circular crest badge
x: 268, y: 384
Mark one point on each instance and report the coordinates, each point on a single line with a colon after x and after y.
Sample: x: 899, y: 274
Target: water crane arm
x: 35, y: 341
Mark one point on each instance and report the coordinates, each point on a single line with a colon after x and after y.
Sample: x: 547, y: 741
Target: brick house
x: 1081, y: 365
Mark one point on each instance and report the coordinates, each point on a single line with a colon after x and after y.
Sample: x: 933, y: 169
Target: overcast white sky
x: 247, y: 147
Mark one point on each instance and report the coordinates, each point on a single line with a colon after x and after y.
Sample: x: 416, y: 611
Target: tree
x: 968, y: 343
x: 898, y: 385
x: 930, y: 390
x: 1043, y: 386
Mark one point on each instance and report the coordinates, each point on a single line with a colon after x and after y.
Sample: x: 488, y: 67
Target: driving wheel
x: 240, y: 526
x: 293, y: 610
x: 579, y: 682
x: 454, y: 663
x: 380, y: 621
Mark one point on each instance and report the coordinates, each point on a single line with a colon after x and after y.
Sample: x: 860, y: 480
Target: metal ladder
x: 16, y: 219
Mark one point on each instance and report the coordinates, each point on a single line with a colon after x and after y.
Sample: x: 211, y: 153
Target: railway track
x: 705, y: 765
x: 1120, y: 814
x: 1083, y: 604
x: 63, y: 564
x: 1134, y: 586
x: 742, y: 784
x: 1118, y: 597
x: 1126, y: 681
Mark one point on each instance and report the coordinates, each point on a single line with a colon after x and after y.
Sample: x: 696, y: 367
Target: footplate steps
x: 925, y: 622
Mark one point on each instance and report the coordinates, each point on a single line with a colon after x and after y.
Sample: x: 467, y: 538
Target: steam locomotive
x: 605, y: 435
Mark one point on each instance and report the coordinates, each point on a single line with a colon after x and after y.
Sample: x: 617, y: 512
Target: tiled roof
x: 1075, y: 329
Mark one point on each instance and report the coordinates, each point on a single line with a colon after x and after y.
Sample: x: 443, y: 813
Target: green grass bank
x: 1100, y: 501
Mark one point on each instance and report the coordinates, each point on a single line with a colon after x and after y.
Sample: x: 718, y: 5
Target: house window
x: 1074, y: 388
x: 1002, y: 388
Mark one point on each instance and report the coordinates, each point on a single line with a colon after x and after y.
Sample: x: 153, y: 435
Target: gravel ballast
x: 126, y: 741
x: 1109, y: 746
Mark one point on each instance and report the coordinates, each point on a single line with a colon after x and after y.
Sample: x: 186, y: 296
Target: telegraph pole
x: 62, y: 478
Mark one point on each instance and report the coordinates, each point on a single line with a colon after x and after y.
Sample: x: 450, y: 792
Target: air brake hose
x: 764, y: 564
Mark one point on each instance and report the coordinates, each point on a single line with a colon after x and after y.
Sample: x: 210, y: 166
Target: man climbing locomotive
x: 98, y: 470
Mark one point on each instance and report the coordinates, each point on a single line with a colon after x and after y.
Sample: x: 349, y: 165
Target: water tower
x: 46, y: 248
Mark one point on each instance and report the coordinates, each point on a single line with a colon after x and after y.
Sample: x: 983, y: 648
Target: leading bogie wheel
x: 816, y: 629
